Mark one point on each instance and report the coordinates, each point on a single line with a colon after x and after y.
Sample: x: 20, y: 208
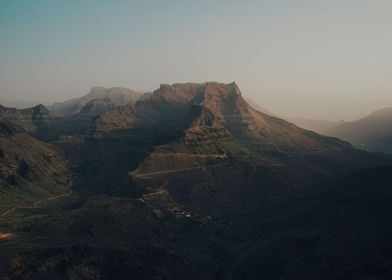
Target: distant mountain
x: 36, y: 120
x: 97, y: 106
x: 371, y: 133
x: 70, y: 117
x: 19, y: 104
x: 29, y: 169
x: 118, y: 96
x: 320, y: 126
x: 203, y: 139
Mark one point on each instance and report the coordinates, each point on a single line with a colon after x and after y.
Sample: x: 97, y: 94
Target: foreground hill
x: 372, y: 133
x: 30, y: 170
x: 202, y: 147
x: 118, y: 96
x: 340, y: 233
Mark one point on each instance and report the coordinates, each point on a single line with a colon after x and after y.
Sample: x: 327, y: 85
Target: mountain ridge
x: 191, y: 182
x: 372, y: 133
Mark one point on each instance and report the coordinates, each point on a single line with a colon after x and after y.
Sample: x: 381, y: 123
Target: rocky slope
x: 29, y: 169
x: 339, y: 233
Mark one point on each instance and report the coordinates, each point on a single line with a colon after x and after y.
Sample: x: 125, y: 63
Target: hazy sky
x: 329, y: 59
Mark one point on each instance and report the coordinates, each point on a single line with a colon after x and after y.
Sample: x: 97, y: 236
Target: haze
x: 315, y: 59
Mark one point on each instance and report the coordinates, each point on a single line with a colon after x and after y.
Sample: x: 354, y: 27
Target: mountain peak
x: 97, y: 89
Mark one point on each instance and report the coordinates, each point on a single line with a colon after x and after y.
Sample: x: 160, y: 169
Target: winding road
x: 35, y: 204
x: 39, y: 202
x: 169, y: 171
x: 10, y: 235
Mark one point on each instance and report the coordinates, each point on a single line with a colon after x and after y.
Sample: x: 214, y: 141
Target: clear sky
x: 329, y: 59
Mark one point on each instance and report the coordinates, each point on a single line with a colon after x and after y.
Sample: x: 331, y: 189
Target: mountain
x: 118, y: 96
x: 202, y: 147
x: 36, y: 120
x: 29, y: 169
x: 19, y: 104
x: 75, y: 115
x: 191, y: 182
x: 70, y: 117
x: 372, y: 133
x: 323, y: 127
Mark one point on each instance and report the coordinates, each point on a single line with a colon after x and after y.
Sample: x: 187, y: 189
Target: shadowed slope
x: 29, y: 169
